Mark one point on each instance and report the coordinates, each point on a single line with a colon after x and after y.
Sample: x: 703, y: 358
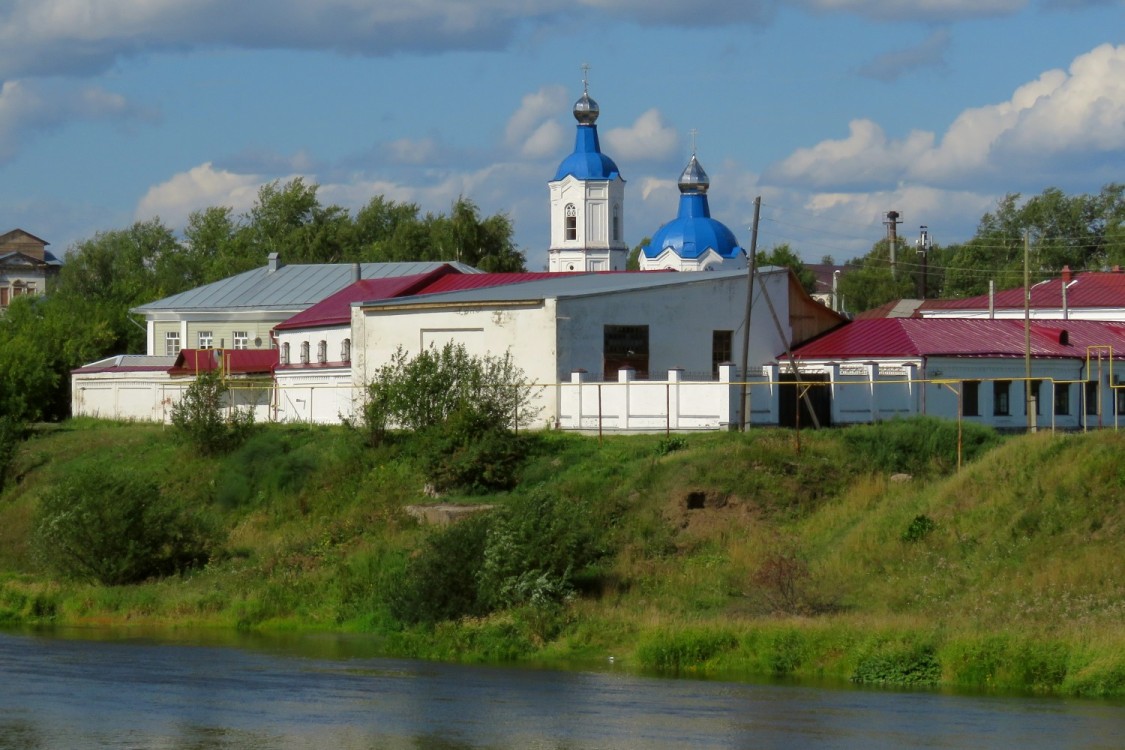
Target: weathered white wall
x: 149, y: 396
x: 325, y: 397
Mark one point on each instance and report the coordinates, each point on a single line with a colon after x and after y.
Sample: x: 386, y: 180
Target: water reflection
x: 330, y: 693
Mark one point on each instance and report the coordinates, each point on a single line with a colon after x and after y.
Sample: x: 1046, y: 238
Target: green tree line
x: 85, y: 314
x: 1085, y: 232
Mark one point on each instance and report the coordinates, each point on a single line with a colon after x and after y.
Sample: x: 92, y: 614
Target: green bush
x: 12, y: 432
x: 922, y: 446
x: 536, y: 548
x: 918, y: 529
x: 114, y: 527
x: 469, y: 453
x: 894, y: 663
x: 267, y: 464
x: 202, y: 420
x: 439, y: 583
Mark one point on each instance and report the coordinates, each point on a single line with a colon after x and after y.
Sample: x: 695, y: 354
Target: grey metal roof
x: 290, y: 287
x: 569, y: 286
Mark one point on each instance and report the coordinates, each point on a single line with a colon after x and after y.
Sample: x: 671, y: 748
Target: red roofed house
x: 1094, y: 295
x: 876, y: 369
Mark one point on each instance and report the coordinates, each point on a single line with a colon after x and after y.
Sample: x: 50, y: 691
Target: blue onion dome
x: 693, y: 179
x: 587, y: 162
x: 693, y: 232
x: 586, y: 110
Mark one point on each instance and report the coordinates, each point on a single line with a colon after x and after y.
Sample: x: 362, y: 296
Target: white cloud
x: 648, y: 138
x: 1063, y: 118
x: 200, y: 187
x: 865, y: 158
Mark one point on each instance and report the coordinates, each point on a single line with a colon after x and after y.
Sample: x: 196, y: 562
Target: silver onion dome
x: 586, y: 110
x: 693, y: 179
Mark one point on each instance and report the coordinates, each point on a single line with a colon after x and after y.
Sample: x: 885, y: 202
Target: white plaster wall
x: 680, y: 320
x: 326, y: 397
x: 528, y: 332
x: 334, y: 337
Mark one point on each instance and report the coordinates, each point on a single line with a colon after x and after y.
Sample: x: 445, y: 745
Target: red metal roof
x: 244, y: 361
x: 964, y: 337
x: 1091, y: 289
x: 336, y: 310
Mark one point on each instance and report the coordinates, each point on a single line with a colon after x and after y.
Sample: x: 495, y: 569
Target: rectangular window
x: 206, y: 340
x: 625, y: 346
x: 1091, y: 396
x: 1001, y: 402
x: 970, y: 398
x: 722, y: 350
x: 241, y: 339
x: 172, y: 343
x: 1062, y: 399
x: 3, y: 296
x: 571, y: 222
x: 1120, y: 399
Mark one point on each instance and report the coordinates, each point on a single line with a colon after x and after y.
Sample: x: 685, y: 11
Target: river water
x: 75, y: 693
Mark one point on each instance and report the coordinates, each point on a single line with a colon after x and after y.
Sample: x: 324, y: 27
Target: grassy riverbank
x: 719, y: 554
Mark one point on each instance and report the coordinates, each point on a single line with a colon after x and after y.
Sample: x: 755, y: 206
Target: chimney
x: 357, y: 272
x: 274, y: 262
x: 1066, y: 274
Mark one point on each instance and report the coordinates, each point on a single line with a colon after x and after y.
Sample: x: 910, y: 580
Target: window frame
x: 304, y: 352
x: 1061, y: 398
x: 1001, y: 398
x: 970, y: 398
x: 240, y: 339
x: 346, y: 350
x: 322, y: 352
x: 205, y: 339
x: 172, y: 343
x: 570, y: 215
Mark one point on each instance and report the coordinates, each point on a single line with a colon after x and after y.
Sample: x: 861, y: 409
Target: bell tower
x: 587, y: 201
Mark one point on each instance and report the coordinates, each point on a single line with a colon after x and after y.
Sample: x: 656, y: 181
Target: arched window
x: 616, y: 223
x: 322, y: 351
x: 304, y: 352
x: 285, y: 353
x: 571, y: 222
x: 346, y: 350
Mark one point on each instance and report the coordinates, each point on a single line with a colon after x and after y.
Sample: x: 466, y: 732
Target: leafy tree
x: 201, y: 416
x: 1084, y: 232
x: 633, y: 263
x: 113, y: 527
x: 782, y: 255
x: 870, y: 281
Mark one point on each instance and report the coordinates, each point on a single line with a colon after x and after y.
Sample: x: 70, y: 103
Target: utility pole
x: 892, y: 223
x: 744, y: 391
x: 1028, y: 399
x: 924, y: 244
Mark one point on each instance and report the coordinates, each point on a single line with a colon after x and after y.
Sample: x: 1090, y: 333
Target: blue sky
x: 833, y: 111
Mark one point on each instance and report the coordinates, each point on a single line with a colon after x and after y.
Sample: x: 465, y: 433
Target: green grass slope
x: 860, y: 554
